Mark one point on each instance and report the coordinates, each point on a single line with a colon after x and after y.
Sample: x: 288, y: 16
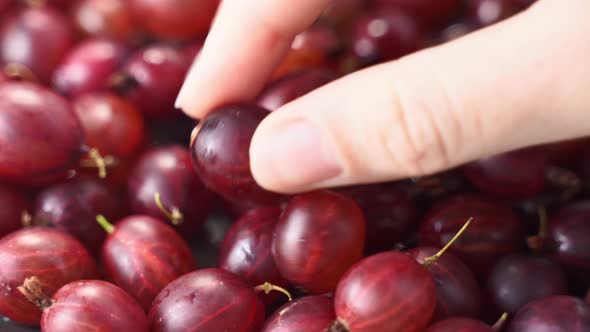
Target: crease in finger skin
x: 246, y: 42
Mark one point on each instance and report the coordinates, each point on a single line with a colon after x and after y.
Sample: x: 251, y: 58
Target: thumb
x: 518, y: 83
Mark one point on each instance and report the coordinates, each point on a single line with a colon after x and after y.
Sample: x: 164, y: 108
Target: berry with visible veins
x: 54, y: 257
x: 143, y: 255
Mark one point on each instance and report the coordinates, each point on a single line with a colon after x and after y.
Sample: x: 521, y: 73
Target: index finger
x: 246, y: 42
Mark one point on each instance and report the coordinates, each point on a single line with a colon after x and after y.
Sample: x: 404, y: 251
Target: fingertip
x: 289, y: 153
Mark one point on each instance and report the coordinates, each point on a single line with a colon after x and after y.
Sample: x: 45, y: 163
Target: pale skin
x: 522, y: 82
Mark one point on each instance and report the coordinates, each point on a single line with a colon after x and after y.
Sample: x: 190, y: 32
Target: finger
x: 247, y: 40
x: 519, y: 83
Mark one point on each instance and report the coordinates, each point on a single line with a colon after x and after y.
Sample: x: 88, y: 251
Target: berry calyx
x: 31, y: 289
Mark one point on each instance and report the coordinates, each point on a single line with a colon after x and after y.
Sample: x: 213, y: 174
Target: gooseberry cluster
x: 112, y: 219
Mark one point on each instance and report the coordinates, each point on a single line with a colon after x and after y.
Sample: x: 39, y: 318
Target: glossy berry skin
x: 54, y: 257
x: 305, y: 314
x: 105, y: 19
x: 37, y: 38
x: 513, y: 175
x: 519, y: 279
x: 143, y: 255
x: 557, y: 313
x: 111, y: 124
x: 386, y: 292
x: 152, y: 78
x: 5, y: 4
x: 455, y: 31
x: 312, y: 48
x: 174, y: 19
x: 567, y: 234
x: 72, y: 207
x: 391, y: 215
x: 168, y: 171
x: 494, y: 232
x: 523, y: 3
x: 487, y: 12
x: 309, y: 238
x: 460, y: 325
x: 247, y: 248
x: 88, y: 67
x: 429, y: 12
x: 293, y: 86
x: 14, y: 203
x: 220, y: 153
x: 384, y: 35
x: 457, y: 290
x: 42, y: 138
x: 96, y: 304
x: 207, y: 300
x: 340, y: 12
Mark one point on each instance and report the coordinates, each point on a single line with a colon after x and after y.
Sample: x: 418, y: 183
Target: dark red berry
x: 567, y: 239
x: 72, y: 207
x: 167, y: 171
x: 523, y: 3
x: 495, y: 231
x: 86, y: 305
x: 14, y: 211
x: 313, y: 48
x: 41, y: 137
x: 111, y: 124
x: 457, y: 324
x: 36, y: 38
x: 293, y: 86
x: 247, y: 248
x: 174, y: 19
x: 386, y: 292
x: 391, y: 215
x: 557, y: 313
x: 220, y: 153
x: 486, y: 12
x: 305, y: 314
x: 320, y: 233
x: 430, y: 12
x: 340, y: 12
x: 385, y: 34
x: 519, y: 279
x: 89, y: 66
x: 514, y: 175
x: 207, y: 300
x: 457, y: 290
x: 152, y: 78
x: 143, y: 255
x: 105, y: 19
x: 53, y: 256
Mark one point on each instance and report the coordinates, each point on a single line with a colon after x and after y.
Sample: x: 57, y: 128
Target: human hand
x: 521, y: 82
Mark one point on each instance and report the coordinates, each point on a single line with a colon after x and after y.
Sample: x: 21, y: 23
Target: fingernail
x: 296, y: 154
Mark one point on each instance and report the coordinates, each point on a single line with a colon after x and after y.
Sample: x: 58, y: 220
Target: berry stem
x: 99, y: 162
x: 267, y: 287
x: 31, y: 289
x: 337, y: 326
x: 123, y: 83
x: 174, y: 215
x: 431, y: 260
x: 16, y: 70
x: 537, y: 242
x: 105, y: 224
x: 500, y: 323
x: 26, y: 219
